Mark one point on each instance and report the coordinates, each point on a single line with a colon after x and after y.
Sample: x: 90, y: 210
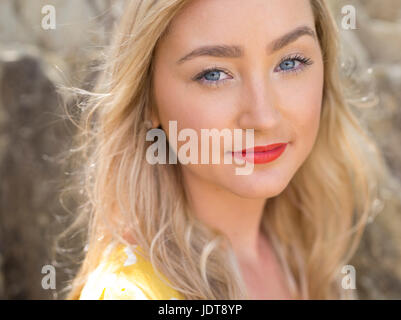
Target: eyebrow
x: 238, y: 51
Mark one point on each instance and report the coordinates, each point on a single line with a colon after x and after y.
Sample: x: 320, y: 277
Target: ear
x: 154, y: 117
x: 155, y: 120
x: 152, y: 112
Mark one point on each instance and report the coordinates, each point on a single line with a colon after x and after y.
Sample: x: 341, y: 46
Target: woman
x: 201, y: 231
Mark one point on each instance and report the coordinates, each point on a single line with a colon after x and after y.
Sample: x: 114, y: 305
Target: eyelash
x: 211, y: 83
x: 297, y: 57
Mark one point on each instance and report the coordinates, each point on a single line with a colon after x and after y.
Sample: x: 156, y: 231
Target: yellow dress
x: 125, y: 275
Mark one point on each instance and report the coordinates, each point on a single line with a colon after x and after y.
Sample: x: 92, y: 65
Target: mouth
x: 261, y: 154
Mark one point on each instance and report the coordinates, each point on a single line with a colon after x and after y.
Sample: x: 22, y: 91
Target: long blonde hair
x: 315, y: 224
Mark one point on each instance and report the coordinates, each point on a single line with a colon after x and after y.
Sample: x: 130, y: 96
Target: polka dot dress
x: 124, y: 274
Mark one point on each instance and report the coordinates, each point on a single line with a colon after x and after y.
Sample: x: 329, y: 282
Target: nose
x: 259, y: 104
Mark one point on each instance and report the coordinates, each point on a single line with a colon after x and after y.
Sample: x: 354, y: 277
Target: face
x: 266, y: 74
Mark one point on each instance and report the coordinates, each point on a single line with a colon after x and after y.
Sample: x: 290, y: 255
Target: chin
x: 258, y: 188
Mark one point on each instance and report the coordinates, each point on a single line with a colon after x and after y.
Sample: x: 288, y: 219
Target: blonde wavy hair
x: 315, y: 224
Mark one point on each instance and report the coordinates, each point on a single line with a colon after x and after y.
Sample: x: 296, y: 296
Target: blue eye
x: 294, y: 63
x: 288, y: 64
x: 212, y: 77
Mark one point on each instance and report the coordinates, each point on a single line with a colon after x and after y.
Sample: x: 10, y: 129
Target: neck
x: 237, y: 217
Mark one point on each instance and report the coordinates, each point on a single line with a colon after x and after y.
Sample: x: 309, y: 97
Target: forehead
x: 225, y: 21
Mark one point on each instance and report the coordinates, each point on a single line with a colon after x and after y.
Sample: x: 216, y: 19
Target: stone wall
x: 35, y: 133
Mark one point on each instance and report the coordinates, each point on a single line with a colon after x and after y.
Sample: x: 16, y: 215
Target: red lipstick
x: 262, y: 154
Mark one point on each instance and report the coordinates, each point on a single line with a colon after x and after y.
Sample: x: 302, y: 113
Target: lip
x: 262, y: 154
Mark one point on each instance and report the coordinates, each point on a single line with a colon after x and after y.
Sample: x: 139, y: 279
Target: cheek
x: 173, y: 103
x: 186, y: 103
x: 306, y: 117
x: 302, y: 101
